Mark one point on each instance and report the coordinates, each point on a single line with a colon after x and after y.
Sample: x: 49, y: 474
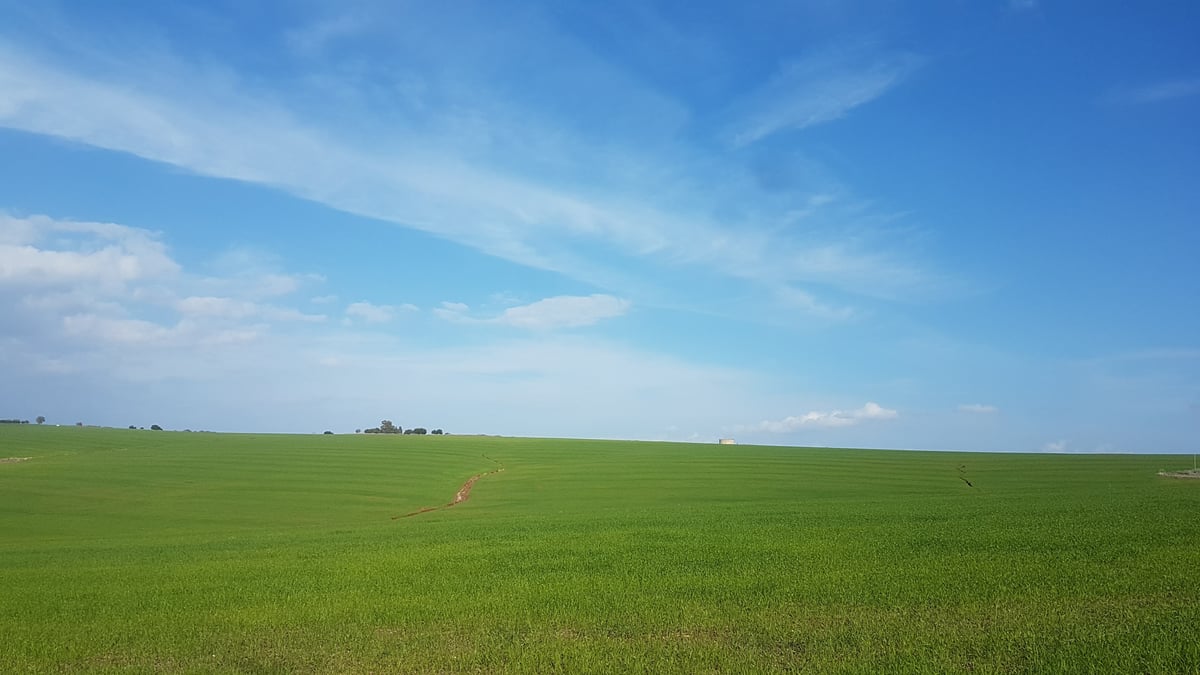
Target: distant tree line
x: 387, y: 427
x: 41, y: 419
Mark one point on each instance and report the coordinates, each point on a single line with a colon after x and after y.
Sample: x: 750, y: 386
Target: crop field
x: 140, y: 551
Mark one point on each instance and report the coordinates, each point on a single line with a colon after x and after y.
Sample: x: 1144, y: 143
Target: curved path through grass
x: 463, y: 494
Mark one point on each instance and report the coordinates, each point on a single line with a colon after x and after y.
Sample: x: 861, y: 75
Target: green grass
x: 158, y: 551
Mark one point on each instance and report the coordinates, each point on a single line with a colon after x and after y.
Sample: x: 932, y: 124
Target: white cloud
x: 826, y: 419
x: 84, y: 252
x: 820, y: 88
x: 19, y: 231
x: 279, y: 284
x: 83, y: 287
x: 563, y: 311
x: 456, y: 312
x: 980, y: 408
x: 222, y: 307
x: 453, y: 311
x: 372, y: 313
x: 539, y: 384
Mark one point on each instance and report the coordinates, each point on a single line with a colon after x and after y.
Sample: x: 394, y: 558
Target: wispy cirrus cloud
x: 825, y: 419
x: 809, y: 304
x: 536, y: 205
x: 817, y: 89
x: 1156, y: 92
x: 563, y: 311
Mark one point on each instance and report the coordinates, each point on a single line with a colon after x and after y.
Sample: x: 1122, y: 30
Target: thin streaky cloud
x: 1158, y: 92
x: 1185, y: 354
x: 816, y: 90
x: 313, y: 38
x: 808, y: 304
x: 528, y: 221
x: 564, y: 311
x: 978, y: 408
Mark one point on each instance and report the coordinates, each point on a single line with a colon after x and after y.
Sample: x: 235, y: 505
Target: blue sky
x: 958, y: 225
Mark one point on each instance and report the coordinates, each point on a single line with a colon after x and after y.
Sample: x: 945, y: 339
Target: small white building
x: 726, y: 441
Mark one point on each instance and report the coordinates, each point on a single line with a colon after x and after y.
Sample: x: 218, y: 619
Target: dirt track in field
x: 1192, y: 473
x: 463, y: 494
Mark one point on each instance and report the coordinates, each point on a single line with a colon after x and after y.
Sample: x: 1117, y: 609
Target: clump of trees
x: 387, y: 427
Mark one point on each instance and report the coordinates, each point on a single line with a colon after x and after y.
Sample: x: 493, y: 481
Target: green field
x: 160, y: 551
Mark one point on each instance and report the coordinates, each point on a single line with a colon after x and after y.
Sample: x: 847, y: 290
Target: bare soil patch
x: 14, y: 460
x: 1190, y: 473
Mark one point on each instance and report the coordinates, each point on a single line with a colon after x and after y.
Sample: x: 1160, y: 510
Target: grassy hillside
x: 160, y: 551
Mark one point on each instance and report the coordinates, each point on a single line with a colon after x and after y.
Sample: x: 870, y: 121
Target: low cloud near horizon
x: 826, y: 419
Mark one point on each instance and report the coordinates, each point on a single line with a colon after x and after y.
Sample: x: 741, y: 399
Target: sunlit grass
x: 124, y: 550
